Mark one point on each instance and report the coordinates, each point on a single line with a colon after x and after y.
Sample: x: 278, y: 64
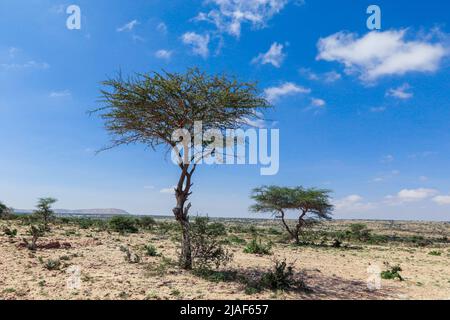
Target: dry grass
x: 331, y: 273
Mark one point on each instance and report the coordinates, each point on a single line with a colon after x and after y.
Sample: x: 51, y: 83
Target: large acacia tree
x: 310, y: 204
x: 149, y: 108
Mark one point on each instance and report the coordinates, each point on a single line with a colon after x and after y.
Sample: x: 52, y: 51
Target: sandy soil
x: 96, y: 260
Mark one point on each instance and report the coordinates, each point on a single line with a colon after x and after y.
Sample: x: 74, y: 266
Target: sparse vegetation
x: 392, y: 272
x: 207, y: 250
x: 151, y: 251
x: 9, y: 232
x: 130, y: 256
x: 44, y: 212
x: 123, y: 225
x: 257, y: 247
x: 35, y: 233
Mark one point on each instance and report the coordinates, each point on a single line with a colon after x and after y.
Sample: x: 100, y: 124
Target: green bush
x: 257, y: 247
x: 392, y: 273
x: 151, y: 251
x: 123, y: 224
x: 281, y: 278
x: 51, y: 264
x: 207, y: 250
x: 147, y: 223
x: 435, y: 253
x: 10, y: 233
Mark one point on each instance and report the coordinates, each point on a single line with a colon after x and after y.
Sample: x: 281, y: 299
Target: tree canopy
x: 311, y: 203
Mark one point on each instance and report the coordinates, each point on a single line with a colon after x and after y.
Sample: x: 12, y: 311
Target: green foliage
x: 206, y: 247
x: 44, y: 211
x: 281, y: 277
x: 10, y: 233
x: 150, y: 250
x: 233, y: 239
x: 392, y: 272
x: 147, y: 223
x: 52, y: 264
x: 257, y: 247
x: 123, y: 224
x: 435, y: 253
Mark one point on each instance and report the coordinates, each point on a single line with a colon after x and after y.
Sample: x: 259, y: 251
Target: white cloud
x: 199, y: 43
x: 411, y: 195
x: 162, y: 27
x: 379, y: 54
x: 163, y: 54
x: 328, y: 77
x: 288, y: 88
x: 27, y: 65
x: 442, y: 200
x: 400, y: 92
x: 60, y: 94
x: 353, y: 203
x: 229, y: 15
x: 170, y: 190
x: 128, y: 26
x: 318, y: 102
x: 274, y: 56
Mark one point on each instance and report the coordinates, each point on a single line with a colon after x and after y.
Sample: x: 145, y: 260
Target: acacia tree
x: 44, y: 211
x: 312, y: 204
x: 149, y: 108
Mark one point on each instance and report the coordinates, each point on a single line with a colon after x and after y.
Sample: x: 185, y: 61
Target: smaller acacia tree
x: 312, y: 204
x: 44, y: 211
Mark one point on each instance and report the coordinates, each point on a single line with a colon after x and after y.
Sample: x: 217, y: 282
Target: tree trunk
x: 294, y: 235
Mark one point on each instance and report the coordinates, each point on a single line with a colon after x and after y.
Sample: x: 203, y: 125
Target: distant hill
x: 95, y: 212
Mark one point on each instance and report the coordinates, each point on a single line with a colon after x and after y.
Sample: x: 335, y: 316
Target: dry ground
x: 331, y: 273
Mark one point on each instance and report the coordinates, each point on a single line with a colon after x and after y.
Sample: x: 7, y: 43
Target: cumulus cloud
x: 412, y: 195
x: 128, y: 26
x: 315, y: 102
x: 272, y: 94
x: 442, y: 200
x: 163, y: 54
x: 400, y: 92
x: 198, y: 42
x: 229, y: 15
x: 274, y: 56
x: 352, y: 203
x: 379, y: 54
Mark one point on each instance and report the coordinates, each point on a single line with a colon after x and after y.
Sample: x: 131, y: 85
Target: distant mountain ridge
x: 106, y: 212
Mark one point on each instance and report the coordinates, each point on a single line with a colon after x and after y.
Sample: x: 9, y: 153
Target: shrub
x: 392, y: 273
x: 130, y: 256
x: 151, y: 251
x: 216, y: 276
x: 10, y: 233
x: 123, y: 224
x: 257, y: 247
x: 35, y: 233
x: 51, y: 264
x: 281, y: 277
x: 206, y: 248
x: 236, y: 240
x: 435, y: 253
x: 147, y: 223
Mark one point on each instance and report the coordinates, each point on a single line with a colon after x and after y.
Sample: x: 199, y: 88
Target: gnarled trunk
x: 181, y: 212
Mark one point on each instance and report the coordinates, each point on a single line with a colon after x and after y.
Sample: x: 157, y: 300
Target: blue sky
x: 364, y: 113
